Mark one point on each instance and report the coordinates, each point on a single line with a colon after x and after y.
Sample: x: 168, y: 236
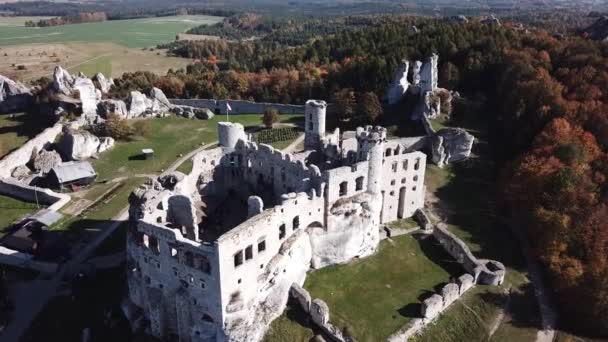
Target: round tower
x: 371, y: 148
x: 314, y: 112
x: 230, y: 133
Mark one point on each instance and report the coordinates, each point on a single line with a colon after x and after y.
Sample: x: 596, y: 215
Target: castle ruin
x: 211, y: 255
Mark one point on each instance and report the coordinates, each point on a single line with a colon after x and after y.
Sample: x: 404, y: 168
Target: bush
x: 117, y: 128
x: 141, y: 127
x: 271, y: 116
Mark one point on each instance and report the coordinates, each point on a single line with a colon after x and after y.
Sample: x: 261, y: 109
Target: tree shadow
x: 435, y: 252
x: 26, y: 124
x: 411, y: 310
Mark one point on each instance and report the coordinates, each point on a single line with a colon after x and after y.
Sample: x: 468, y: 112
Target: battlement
x: 371, y: 134
x: 229, y: 134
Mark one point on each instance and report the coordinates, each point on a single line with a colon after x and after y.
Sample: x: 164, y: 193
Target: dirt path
x: 292, y: 147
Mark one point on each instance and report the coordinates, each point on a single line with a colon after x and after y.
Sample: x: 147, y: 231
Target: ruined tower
x: 371, y: 147
x: 230, y: 133
x: 314, y: 112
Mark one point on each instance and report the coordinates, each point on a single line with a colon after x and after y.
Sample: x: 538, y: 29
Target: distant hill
x: 598, y: 30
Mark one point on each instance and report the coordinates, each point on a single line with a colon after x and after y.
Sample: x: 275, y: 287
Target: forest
x: 542, y: 96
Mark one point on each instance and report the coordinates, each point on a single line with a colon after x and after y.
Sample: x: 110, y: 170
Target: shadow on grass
x: 28, y: 124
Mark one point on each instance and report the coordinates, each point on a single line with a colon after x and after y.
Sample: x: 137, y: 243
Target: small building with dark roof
x: 72, y: 174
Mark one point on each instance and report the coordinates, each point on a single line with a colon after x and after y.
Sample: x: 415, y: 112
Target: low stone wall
x: 488, y: 272
x: 239, y: 106
x: 23, y: 155
x: 22, y: 260
x: 433, y: 306
x: 318, y: 311
x: 13, y: 188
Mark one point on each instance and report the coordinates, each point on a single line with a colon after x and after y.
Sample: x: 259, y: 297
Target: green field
x: 134, y: 33
x: 16, y: 130
x: 14, y: 209
x: 168, y: 137
x: 374, y: 297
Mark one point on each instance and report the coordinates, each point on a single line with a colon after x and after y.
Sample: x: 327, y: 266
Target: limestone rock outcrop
x: 46, y: 160
x: 193, y: 112
x: 451, y: 145
x: 107, y: 107
x: 137, y: 104
x: 62, y: 81
x: 81, y: 145
x: 87, y: 95
x: 21, y: 172
x: 14, y: 96
x: 400, y: 84
x: 355, y: 231
x: 104, y: 83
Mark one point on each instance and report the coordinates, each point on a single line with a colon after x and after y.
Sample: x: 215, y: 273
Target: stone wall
x: 318, y: 311
x: 488, y: 272
x: 23, y: 155
x: 22, y: 260
x: 238, y: 106
x: 12, y: 188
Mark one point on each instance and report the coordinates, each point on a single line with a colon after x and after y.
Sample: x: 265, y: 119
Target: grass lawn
x: 134, y: 33
x: 467, y: 195
x: 91, y: 67
x: 407, y: 223
x: 374, y: 297
x: 16, y: 129
x: 13, y: 209
x: 168, y: 137
x: 88, y: 222
x: 293, y: 326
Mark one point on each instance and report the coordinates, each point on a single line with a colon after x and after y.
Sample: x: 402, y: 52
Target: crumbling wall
x: 487, y: 272
x: 238, y: 106
x: 24, y: 154
x: 33, y: 194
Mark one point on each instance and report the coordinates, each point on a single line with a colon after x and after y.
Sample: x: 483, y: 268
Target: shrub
x: 117, y: 128
x: 271, y: 116
x: 141, y: 127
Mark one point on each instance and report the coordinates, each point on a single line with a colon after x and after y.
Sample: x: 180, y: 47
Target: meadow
x: 132, y: 33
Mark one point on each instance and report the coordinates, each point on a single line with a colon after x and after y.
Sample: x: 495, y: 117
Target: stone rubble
x: 46, y: 160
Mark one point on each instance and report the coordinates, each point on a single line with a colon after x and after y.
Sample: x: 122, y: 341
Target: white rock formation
x: 355, y: 234
x: 138, y: 104
x: 46, y: 160
x: 87, y: 94
x: 103, y: 82
x: 399, y: 87
x: 14, y: 96
x: 81, y: 145
x: 62, y: 81
x: 192, y: 112
x: 429, y: 74
x: 450, y: 145
x: 107, y: 107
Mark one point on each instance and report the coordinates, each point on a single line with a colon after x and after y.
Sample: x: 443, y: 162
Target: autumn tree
x: 368, y: 110
x: 345, y: 104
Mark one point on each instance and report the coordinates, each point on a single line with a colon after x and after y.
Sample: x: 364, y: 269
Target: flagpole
x: 227, y: 111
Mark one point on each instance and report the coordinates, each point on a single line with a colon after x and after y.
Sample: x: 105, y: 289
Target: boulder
x: 451, y: 145
x: 157, y: 95
x: 319, y: 312
x: 78, y: 145
x: 62, y: 81
x: 14, y: 96
x: 450, y: 293
x: 87, y: 94
x: 137, y: 104
x: 400, y: 84
x: 432, y: 306
x: 105, y: 143
x: 103, y: 83
x: 465, y: 282
x: 301, y: 295
x: 107, y: 107
x: 46, y: 160
x: 21, y: 172
x: 203, y: 113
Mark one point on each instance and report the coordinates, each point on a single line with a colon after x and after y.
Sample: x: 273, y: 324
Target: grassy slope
x: 467, y: 193
x: 130, y: 33
x: 169, y: 137
x: 16, y: 129
x: 376, y: 296
x: 13, y: 209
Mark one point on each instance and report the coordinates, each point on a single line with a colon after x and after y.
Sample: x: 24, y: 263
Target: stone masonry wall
x: 32, y: 194
x: 239, y: 106
x: 23, y: 155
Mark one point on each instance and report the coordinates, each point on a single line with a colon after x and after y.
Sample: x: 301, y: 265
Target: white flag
x: 228, y: 107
